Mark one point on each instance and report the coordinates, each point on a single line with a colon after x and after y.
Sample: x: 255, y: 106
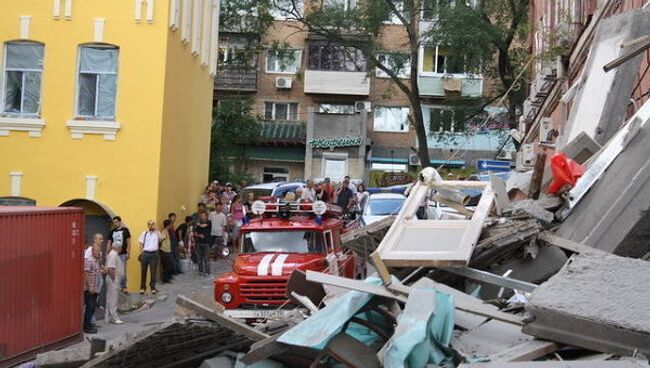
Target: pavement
x: 164, y: 303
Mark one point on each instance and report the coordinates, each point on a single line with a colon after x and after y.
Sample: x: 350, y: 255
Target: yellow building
x: 107, y: 105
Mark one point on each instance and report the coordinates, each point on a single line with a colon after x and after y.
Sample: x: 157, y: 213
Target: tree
x: 475, y: 34
x: 233, y: 130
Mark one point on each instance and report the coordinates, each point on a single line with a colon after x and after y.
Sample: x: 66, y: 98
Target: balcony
x: 438, y: 85
x: 337, y: 83
x: 236, y: 79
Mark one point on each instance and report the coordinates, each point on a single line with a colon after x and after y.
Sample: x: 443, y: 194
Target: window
x: 391, y: 119
x: 283, y: 61
x: 275, y: 174
x: 282, y: 242
x: 285, y: 9
x: 393, y: 18
x: 394, y: 62
x: 441, y: 61
x: 334, y: 166
x: 339, y: 4
x: 236, y: 52
x: 430, y: 8
x: 324, y: 56
x: 438, y: 119
x: 23, y: 68
x: 328, y: 108
x: 280, y: 111
x: 97, y: 83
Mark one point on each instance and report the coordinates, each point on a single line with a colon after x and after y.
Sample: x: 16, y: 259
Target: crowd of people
x: 215, y: 225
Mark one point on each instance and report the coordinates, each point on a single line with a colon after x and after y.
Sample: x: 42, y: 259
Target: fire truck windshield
x: 282, y: 241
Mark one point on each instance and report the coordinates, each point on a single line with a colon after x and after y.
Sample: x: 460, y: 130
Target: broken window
x: 391, y: 119
x: 23, y: 70
x: 283, y: 61
x: 97, y: 81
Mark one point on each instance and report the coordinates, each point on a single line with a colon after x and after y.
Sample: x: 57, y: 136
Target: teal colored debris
x: 423, y: 331
x: 316, y: 331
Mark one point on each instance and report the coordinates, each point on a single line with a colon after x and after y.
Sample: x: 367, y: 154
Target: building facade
x: 107, y: 106
x: 572, y: 94
x: 358, y: 110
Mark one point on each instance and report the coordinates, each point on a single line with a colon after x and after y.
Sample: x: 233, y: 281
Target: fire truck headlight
x: 225, y: 251
x: 226, y: 297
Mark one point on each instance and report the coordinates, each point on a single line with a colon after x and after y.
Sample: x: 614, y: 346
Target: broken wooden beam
x: 350, y: 284
x: 527, y: 351
x: 551, y: 239
x: 221, y: 319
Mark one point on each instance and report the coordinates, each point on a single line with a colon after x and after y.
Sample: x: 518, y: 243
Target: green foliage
x: 233, y: 129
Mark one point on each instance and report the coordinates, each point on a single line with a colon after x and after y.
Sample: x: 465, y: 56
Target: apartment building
x: 107, y: 106
x: 325, y: 113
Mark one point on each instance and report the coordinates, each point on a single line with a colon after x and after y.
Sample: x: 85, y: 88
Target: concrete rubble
x: 529, y: 283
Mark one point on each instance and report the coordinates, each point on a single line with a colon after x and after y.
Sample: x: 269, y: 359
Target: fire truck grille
x: 264, y: 292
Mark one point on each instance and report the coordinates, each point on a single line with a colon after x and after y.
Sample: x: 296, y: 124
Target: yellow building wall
x: 187, y: 117
x: 159, y: 159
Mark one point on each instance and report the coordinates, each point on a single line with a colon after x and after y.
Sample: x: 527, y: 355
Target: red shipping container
x: 41, y: 280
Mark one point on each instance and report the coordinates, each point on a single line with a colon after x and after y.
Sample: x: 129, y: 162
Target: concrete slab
x: 615, y: 205
x: 490, y: 339
x: 217, y: 362
x: 598, y: 302
x: 562, y: 364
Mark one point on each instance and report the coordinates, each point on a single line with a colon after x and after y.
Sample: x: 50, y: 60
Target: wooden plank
x: 491, y: 278
x: 227, y: 322
x: 527, y: 351
x: 379, y: 264
x: 552, y: 239
x: 350, y: 284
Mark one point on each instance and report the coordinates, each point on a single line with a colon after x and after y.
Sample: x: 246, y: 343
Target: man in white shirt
x: 308, y: 193
x: 115, y: 269
x: 149, y: 241
x: 218, y: 220
x: 98, y: 239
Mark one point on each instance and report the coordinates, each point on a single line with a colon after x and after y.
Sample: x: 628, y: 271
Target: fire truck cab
x: 282, y: 238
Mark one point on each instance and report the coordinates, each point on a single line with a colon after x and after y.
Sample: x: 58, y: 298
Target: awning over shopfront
x: 278, y: 154
x: 283, y: 132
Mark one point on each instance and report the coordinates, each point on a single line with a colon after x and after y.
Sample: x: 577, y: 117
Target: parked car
x: 260, y: 190
x: 281, y: 190
x: 380, y: 206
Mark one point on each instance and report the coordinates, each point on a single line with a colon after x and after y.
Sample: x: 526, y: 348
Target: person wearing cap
x: 115, y: 272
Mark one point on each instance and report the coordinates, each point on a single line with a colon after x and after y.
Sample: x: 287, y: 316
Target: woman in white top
x: 362, y: 197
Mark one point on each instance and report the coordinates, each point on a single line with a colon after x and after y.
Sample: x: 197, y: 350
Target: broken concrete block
x: 598, y: 302
x: 217, y: 362
x: 531, y: 208
x: 71, y: 357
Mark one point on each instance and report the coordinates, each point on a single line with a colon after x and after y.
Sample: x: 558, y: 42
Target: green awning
x: 283, y: 131
x: 279, y: 154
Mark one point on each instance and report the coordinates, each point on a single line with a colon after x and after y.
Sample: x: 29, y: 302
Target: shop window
x: 335, y: 166
x: 280, y: 111
x: 395, y: 62
x: 275, y: 174
x: 23, y: 69
x: 284, y: 61
x: 341, y: 109
x: 391, y: 119
x: 325, y: 56
x: 97, y: 81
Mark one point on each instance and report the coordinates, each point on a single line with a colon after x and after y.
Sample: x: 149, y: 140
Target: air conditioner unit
x: 361, y: 106
x: 283, y: 82
x: 414, y: 160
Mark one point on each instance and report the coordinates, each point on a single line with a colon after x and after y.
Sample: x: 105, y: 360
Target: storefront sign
x: 332, y: 143
x: 386, y: 179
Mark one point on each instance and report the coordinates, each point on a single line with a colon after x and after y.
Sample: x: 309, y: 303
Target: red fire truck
x: 282, y: 238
